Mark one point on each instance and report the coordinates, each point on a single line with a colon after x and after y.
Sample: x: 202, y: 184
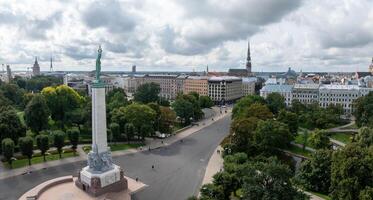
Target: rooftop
x: 306, y: 86
x: 277, y: 88
x: 224, y: 78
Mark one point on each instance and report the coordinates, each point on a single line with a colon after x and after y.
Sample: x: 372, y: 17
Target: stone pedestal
x: 97, y: 184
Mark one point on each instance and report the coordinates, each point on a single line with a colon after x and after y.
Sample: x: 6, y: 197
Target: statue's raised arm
x: 98, y: 64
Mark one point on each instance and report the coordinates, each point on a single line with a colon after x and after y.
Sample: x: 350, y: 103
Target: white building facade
x: 283, y: 90
x: 306, y: 93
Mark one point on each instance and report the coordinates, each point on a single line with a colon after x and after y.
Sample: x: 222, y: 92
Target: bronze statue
x: 98, y: 64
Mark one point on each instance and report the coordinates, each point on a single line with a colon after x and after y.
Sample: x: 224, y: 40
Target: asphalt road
x: 178, y: 173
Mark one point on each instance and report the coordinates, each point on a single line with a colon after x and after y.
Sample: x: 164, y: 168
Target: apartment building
x: 283, y: 90
x: 248, y: 86
x: 306, y: 93
x: 224, y: 89
x: 167, y: 83
x: 197, y: 84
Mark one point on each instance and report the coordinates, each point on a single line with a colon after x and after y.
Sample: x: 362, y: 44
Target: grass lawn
x: 21, y: 117
x: 342, y: 137
x: 326, y: 197
x: 299, y: 139
x: 39, y: 159
x: 116, y: 147
x: 298, y: 150
x: 176, y: 127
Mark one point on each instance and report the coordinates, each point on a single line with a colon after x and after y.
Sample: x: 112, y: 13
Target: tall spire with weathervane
x: 248, y: 61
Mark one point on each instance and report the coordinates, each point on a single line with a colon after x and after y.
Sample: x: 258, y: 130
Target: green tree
x: 13, y: 93
x: 61, y: 100
x: 352, y: 171
x: 58, y: 141
x: 113, y: 92
x: 117, y: 116
x: 20, y: 81
x: 138, y: 115
x: 364, y: 110
x: 116, y: 100
x: 4, y: 102
x: 269, y: 180
x: 27, y: 97
x: 183, y: 109
x: 130, y: 131
x: 257, y: 110
x: 212, y: 192
x: 289, y: 118
x: 366, y: 194
x: 146, y: 130
x: 240, y: 107
x: 157, y: 111
x: 7, y: 147
x: 319, y: 140
x: 26, y: 146
x: 271, y: 134
x: 163, y: 102
x: 194, y: 94
x: 167, y: 119
x: 315, y: 174
x: 364, y: 137
x: 37, y: 83
x: 275, y: 102
x: 147, y: 93
x: 78, y: 117
x: 205, y: 102
x: 297, y: 107
x: 243, y: 134
x: 42, y: 141
x: 73, y: 135
x: 37, y: 114
x: 10, y: 124
x: 115, y: 130
x: 197, y: 112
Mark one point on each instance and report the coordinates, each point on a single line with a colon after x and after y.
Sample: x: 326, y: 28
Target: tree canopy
x: 139, y: 115
x: 275, y: 102
x: 10, y: 124
x: 147, y: 93
x: 240, y: 107
x: 61, y: 100
x: 364, y: 110
x: 37, y: 114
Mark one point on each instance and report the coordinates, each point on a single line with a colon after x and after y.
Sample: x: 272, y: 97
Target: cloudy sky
x: 186, y: 35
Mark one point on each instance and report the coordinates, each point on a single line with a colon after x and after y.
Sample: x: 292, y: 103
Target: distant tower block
x: 133, y: 68
x: 36, y: 68
x: 8, y: 74
x: 248, y: 61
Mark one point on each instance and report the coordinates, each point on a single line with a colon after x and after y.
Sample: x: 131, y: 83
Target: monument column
x: 99, y: 135
x: 101, y: 175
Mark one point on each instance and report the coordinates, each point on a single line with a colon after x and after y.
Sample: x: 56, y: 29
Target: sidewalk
x: 6, y: 173
x: 214, y: 165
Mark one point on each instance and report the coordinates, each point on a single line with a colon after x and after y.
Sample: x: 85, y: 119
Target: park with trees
x: 42, y: 120
x: 264, y: 135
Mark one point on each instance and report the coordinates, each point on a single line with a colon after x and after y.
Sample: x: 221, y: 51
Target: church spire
x: 51, y: 66
x: 248, y: 61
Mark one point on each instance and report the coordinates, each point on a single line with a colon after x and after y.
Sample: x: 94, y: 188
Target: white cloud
x: 188, y: 34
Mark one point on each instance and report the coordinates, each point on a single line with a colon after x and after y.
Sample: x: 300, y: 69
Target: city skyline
x: 188, y: 35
